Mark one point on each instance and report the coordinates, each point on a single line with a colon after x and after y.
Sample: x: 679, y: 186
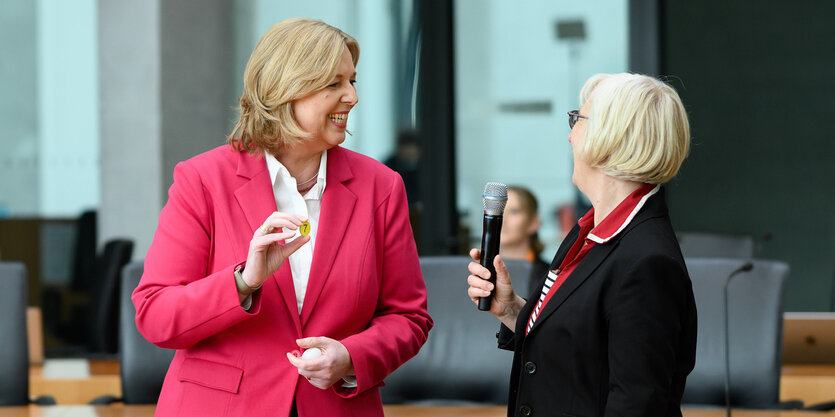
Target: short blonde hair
x: 295, y: 58
x: 637, y: 127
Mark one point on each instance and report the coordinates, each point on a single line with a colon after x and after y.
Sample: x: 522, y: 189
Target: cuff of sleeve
x: 246, y: 304
x: 349, y: 381
x: 507, y: 339
x: 241, y: 285
x: 361, y: 377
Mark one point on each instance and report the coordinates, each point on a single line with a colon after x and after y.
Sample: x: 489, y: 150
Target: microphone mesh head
x: 494, y: 198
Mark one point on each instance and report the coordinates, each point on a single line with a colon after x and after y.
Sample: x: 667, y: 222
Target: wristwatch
x: 243, y: 288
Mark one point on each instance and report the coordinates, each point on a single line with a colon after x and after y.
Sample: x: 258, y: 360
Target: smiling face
x: 324, y: 114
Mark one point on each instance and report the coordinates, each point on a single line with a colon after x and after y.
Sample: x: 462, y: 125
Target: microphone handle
x: 489, y: 249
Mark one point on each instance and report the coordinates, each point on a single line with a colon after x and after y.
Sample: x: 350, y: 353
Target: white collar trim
x: 275, y: 167
x: 597, y: 239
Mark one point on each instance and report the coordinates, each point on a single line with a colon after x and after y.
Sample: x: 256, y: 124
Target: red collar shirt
x: 589, y: 236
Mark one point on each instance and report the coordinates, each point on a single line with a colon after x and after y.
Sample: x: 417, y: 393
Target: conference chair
x: 142, y: 364
x: 14, y: 352
x: 104, y: 307
x: 73, y: 298
x: 460, y: 364
x: 829, y: 405
x: 712, y: 245
x: 84, y: 260
x: 755, y: 316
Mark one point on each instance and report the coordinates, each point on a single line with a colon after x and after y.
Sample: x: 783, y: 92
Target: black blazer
x: 618, y: 338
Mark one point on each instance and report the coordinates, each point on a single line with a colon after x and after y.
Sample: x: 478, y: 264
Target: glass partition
x: 519, y: 67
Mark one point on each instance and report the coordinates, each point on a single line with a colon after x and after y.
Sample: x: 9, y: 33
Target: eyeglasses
x: 573, y: 115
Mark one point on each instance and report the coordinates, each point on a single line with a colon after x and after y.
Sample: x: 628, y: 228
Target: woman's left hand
x: 325, y: 370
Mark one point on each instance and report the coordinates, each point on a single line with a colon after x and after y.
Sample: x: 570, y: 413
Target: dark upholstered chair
x: 14, y: 351
x: 460, y: 363
x: 84, y: 261
x: 66, y: 309
x: 709, y: 245
x: 755, y: 300
x: 142, y: 364
x: 104, y: 309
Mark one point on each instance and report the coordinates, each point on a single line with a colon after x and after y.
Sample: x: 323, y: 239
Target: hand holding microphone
x: 489, y: 281
x: 505, y: 304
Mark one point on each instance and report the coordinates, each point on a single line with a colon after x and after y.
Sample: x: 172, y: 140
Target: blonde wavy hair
x: 295, y: 58
x: 637, y: 128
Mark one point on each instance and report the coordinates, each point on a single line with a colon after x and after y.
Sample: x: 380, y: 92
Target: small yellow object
x: 304, y: 229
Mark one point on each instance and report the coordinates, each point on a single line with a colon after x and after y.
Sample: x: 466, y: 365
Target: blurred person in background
x: 519, y: 236
x: 405, y: 161
x: 566, y: 219
x: 282, y: 242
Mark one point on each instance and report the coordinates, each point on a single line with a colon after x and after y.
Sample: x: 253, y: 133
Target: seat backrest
x: 755, y: 317
x: 104, y: 323
x: 460, y: 363
x: 711, y: 245
x: 143, y: 364
x: 14, y: 354
x: 84, y: 261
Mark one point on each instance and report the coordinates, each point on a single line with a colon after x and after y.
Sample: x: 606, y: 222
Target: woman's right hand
x: 506, y: 304
x: 266, y: 254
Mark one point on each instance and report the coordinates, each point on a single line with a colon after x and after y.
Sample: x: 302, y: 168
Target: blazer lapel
x: 655, y: 206
x: 338, y: 203
x: 525, y: 313
x: 257, y: 201
x: 583, y: 271
x: 256, y: 195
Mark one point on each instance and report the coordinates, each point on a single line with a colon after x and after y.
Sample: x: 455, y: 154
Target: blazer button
x: 525, y: 410
x: 530, y: 367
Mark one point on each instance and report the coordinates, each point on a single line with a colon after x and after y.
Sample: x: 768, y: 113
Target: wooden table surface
x: 119, y: 410
x: 814, y: 384
x: 103, y: 379
x: 811, y: 383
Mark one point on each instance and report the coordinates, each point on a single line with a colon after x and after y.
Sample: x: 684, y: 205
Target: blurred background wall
x: 758, y: 82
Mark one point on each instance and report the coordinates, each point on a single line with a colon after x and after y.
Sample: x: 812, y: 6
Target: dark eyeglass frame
x: 573, y: 115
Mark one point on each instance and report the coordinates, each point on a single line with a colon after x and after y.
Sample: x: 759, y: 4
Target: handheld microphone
x: 494, y: 199
x: 747, y: 266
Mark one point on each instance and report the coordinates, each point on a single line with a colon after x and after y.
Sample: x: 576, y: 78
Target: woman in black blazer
x: 612, y: 331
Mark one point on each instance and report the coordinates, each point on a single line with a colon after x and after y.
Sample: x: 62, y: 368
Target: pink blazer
x: 365, y: 290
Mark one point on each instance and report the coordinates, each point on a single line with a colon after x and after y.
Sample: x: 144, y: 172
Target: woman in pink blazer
x: 283, y: 242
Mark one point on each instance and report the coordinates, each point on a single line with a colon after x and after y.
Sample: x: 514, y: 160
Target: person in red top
x: 613, y: 329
